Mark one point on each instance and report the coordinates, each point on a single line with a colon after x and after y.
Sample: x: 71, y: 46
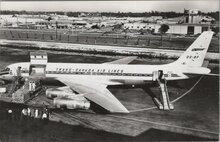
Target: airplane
x: 92, y: 80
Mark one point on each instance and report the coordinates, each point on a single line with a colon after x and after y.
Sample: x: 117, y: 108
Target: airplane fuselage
x: 109, y: 74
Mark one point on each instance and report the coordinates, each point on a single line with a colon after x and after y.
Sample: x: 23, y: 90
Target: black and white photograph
x: 113, y: 71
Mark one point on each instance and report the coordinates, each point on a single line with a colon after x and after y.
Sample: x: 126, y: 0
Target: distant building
x: 173, y: 28
x: 79, y: 24
x: 152, y: 19
x: 191, y: 29
x: 135, y: 19
x: 42, y: 24
x: 193, y: 16
x: 151, y: 27
x: 59, y: 24
x: 136, y: 26
x: 191, y: 23
x: 176, y: 20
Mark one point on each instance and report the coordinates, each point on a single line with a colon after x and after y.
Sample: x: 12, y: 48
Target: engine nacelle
x: 53, y: 93
x: 71, y: 104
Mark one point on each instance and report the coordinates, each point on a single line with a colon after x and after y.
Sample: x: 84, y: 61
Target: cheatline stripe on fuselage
x: 102, y: 73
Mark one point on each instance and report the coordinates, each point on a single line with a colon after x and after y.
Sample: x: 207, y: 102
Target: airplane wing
x: 98, y: 93
x: 123, y: 60
x: 199, y: 71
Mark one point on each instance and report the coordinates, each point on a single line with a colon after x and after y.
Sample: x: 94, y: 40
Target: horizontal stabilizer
x: 212, y: 74
x: 209, y: 74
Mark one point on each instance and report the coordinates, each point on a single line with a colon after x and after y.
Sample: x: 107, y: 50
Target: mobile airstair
x: 163, y: 102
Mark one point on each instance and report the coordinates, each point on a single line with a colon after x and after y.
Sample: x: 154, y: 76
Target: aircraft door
x: 155, y: 75
x: 158, y: 75
x: 38, y: 63
x: 19, y: 71
x: 13, y: 72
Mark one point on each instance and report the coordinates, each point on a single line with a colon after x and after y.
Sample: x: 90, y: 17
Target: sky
x: 112, y: 6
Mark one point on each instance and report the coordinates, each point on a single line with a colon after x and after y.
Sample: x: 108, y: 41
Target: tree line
x: 169, y: 14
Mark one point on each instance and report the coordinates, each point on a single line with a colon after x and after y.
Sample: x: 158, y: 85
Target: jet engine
x: 64, y: 97
x: 59, y: 92
x: 71, y: 103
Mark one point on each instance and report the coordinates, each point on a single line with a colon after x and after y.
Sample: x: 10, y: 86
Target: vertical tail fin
x: 195, y: 54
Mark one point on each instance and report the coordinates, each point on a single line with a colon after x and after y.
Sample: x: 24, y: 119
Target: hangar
x: 173, y: 28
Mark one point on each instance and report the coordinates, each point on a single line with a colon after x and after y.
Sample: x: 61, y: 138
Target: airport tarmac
x: 196, y: 101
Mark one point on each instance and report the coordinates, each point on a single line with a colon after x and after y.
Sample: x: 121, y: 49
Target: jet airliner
x: 92, y: 80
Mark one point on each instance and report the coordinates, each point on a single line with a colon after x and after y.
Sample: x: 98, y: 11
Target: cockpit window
x: 6, y: 69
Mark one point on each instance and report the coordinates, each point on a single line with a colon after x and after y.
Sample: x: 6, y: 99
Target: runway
x: 103, y: 49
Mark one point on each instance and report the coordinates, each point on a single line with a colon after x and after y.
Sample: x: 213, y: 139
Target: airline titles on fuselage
x: 90, y: 70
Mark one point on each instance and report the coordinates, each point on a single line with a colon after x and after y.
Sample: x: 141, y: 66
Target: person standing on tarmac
x: 48, y: 114
x: 10, y: 114
x: 28, y: 111
x: 44, y: 117
x: 24, y: 114
x: 36, y: 113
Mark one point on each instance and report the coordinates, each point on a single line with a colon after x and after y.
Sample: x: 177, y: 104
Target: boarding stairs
x: 164, y: 97
x: 15, y: 85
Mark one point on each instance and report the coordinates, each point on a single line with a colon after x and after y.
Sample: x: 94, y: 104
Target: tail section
x: 195, y: 54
